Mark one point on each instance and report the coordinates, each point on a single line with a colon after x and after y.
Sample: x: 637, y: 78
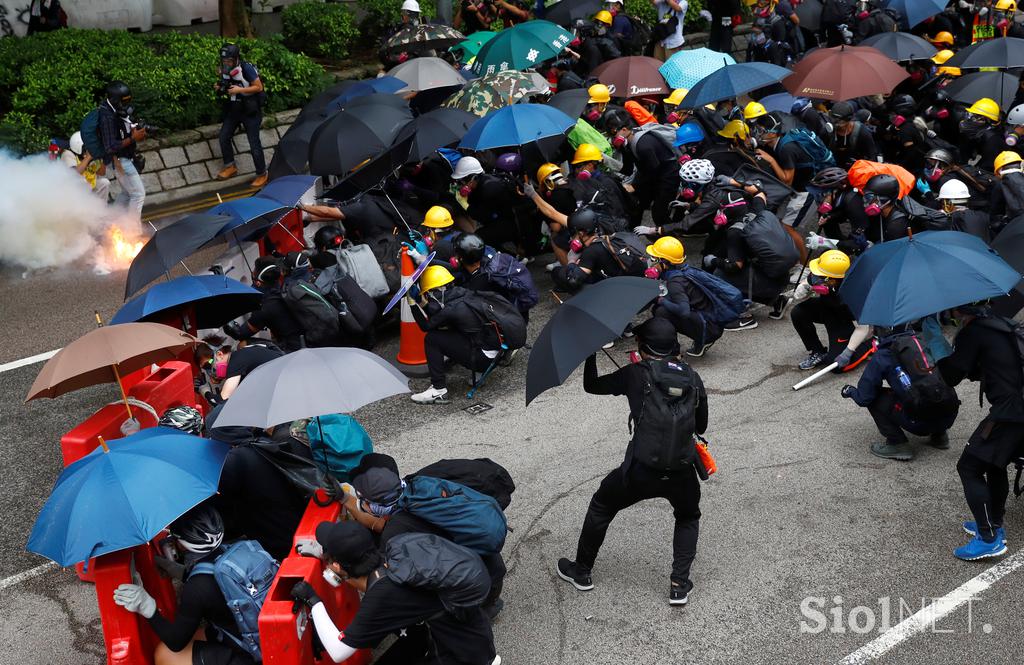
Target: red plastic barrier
x: 314, y: 515
x: 129, y: 639
x: 169, y: 386
x: 285, y: 236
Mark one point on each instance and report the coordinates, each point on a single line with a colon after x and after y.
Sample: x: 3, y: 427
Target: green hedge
x: 645, y: 10
x: 49, y: 81
x: 381, y: 17
x: 319, y: 29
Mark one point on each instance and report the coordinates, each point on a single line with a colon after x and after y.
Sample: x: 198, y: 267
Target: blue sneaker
x: 979, y: 549
x: 972, y: 528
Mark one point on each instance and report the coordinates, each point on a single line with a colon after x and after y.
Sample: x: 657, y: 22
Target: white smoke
x: 49, y: 216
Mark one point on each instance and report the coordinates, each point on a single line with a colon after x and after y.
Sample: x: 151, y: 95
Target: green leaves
x: 323, y: 30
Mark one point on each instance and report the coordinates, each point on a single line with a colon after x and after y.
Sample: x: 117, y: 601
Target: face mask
x: 933, y: 174
x: 652, y: 273
x: 721, y: 219
x: 576, y: 245
x: 917, y: 76
x: 759, y: 38
x: 1011, y: 139
x: 824, y: 208
x: 971, y: 127
x: 220, y: 369
x: 820, y: 289
x: 593, y: 115
x: 898, y: 120
x: 873, y: 209
x: 672, y: 118
x: 465, y: 191
x: 684, y: 158
x: 583, y: 174
x: 618, y: 142
x: 453, y: 262
x: 862, y: 15
x: 332, y: 578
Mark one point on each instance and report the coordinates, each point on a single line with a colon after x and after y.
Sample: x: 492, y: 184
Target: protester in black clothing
x: 273, y: 313
x: 370, y: 216
x: 841, y: 218
x: 871, y: 20
x: 788, y: 162
x: 698, y: 205
x: 886, y: 220
x: 555, y: 200
x: 636, y: 480
x: 954, y: 199
x: 852, y: 140
x: 1007, y: 198
x: 684, y: 303
x: 981, y: 133
x: 120, y: 136
x: 590, y: 261
x: 722, y: 13
x: 903, y: 140
x: 650, y: 159
x: 985, y: 350
x: 816, y: 121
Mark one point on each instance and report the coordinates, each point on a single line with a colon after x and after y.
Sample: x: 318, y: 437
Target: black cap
x: 371, y: 460
x: 842, y: 111
x: 230, y: 51
x: 658, y: 337
x: 349, y: 543
x: 378, y: 485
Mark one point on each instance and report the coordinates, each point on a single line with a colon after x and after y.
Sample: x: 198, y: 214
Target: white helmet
x: 76, y: 144
x: 699, y: 171
x: 1016, y: 115
x: 411, y: 6
x: 954, y: 190
x: 466, y: 167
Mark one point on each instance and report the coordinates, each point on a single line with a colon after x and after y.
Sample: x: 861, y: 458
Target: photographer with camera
x: 120, y: 136
x: 241, y: 85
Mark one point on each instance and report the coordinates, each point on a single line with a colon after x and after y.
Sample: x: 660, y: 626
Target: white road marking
x: 31, y: 360
x: 26, y: 575
x: 931, y: 615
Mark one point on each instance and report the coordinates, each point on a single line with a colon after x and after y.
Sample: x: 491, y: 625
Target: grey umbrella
x: 310, y: 383
x: 426, y: 74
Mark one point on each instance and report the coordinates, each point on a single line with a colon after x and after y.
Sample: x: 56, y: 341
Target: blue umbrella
x: 780, y: 101
x: 287, y: 190
x: 249, y: 216
x: 915, y: 11
x: 217, y: 299
x: 124, y: 493
x: 382, y: 85
x: 516, y: 125
x: 685, y: 68
x: 903, y: 280
x: 732, y: 81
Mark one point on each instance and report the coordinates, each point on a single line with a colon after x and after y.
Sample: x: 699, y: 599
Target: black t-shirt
x: 275, y: 316
x: 405, y: 522
x: 367, y: 218
x: 201, y: 600
x: 989, y: 355
x: 563, y: 200
x: 599, y: 261
x: 788, y: 156
x: 243, y: 361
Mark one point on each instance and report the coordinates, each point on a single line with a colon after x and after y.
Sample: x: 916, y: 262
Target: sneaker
x: 568, y: 571
x: 979, y: 549
x: 779, y: 308
x: 551, y: 266
x: 496, y: 661
x: 972, y: 529
x: 227, y: 172
x: 608, y: 345
x: 939, y: 441
x: 507, y: 359
x: 697, y: 351
x: 813, y: 359
x: 743, y: 323
x: 260, y: 180
x: 431, y: 395
x: 526, y: 260
x: 493, y: 609
x: 900, y: 452
x: 676, y: 595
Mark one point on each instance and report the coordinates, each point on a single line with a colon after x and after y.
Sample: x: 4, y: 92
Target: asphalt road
x: 799, y: 510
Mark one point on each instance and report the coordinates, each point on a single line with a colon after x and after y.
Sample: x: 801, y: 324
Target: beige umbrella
x: 105, y: 354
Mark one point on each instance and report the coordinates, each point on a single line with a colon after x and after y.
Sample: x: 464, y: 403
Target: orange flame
x: 116, y: 250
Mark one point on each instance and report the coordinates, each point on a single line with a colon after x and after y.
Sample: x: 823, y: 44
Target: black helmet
x: 940, y: 155
x: 829, y: 178
x: 230, y: 52
x: 184, y: 418
x: 657, y: 336
x: 266, y: 270
x: 328, y: 237
x: 584, y: 220
x: 842, y: 111
x: 469, y: 248
x: 119, y: 95
x: 200, y: 530
x: 615, y: 119
x: 884, y: 186
x: 903, y: 104
x: 296, y: 261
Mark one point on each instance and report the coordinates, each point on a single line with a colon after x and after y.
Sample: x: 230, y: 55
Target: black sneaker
x: 493, y: 609
x: 778, y: 308
x: 697, y: 351
x: 568, y: 571
x: 744, y: 323
x: 813, y: 359
x: 939, y: 441
x: 676, y: 595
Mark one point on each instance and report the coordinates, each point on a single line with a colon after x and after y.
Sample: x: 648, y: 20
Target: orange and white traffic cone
x: 411, y: 358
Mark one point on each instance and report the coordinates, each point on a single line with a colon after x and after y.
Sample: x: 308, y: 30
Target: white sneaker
x: 609, y: 345
x: 431, y: 395
x: 551, y: 266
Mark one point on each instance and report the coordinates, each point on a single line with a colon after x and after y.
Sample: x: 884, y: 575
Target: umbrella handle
x: 103, y: 443
x: 124, y: 395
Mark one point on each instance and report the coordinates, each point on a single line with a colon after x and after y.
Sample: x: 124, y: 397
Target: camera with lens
x: 146, y: 127
x: 223, y: 85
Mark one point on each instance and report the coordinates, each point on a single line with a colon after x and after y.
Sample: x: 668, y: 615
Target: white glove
x: 983, y: 11
x: 130, y: 426
x: 814, y: 241
x: 309, y: 547
x: 134, y: 598
x: 726, y: 21
x: 801, y: 292
x: 963, y: 4
x: 646, y: 230
x: 416, y: 257
x: 528, y: 190
x: 705, y: 14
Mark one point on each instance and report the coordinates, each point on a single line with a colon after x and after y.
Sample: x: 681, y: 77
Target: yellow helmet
x: 604, y: 16
x: 942, y: 56
x: 1004, y: 158
x: 545, y: 171
x: 1006, y: 5
x: 948, y: 71
x: 735, y: 129
x: 599, y: 94
x: 587, y: 153
x: 832, y: 263
x: 438, y: 217
x: 986, y: 108
x: 669, y: 249
x: 433, y: 277
x: 942, y: 38
x: 677, y: 96
x: 754, y: 110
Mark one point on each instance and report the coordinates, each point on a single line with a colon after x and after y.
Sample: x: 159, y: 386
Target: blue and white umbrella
x: 685, y: 68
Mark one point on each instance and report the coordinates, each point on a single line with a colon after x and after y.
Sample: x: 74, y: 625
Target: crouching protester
x: 667, y: 406
x: 228, y: 638
x: 917, y: 399
x: 419, y: 579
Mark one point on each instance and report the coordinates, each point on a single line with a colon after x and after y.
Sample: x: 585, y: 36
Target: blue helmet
x: 689, y: 132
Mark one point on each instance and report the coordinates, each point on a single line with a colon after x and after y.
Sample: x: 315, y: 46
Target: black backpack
x: 508, y: 274
x: 483, y: 475
x: 641, y: 37
x: 495, y: 310
x: 317, y: 317
x: 356, y: 309
x: 837, y: 12
x: 428, y: 561
x: 928, y: 397
x: 663, y: 432
x: 771, y: 248
x: 629, y: 251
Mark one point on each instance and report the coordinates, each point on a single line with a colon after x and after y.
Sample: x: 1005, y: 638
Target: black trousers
x: 693, y: 325
x: 721, y: 37
x: 834, y: 316
x: 891, y: 423
x: 444, y: 640
x: 624, y: 487
x: 986, y: 487
x: 440, y: 344
x: 252, y: 121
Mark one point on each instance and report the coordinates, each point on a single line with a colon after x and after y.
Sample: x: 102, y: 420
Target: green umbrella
x: 472, y: 44
x: 495, y: 91
x: 521, y: 47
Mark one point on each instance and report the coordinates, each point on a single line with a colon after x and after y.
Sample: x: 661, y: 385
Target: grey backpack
x: 360, y: 263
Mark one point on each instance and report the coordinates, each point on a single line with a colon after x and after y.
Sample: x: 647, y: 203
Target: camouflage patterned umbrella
x: 423, y: 37
x: 495, y: 91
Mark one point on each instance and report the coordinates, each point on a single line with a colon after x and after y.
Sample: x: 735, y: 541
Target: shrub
x: 381, y: 17
x: 49, y: 81
x: 645, y: 10
x: 319, y: 29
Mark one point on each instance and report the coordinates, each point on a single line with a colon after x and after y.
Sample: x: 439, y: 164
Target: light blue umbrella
x: 685, y: 68
x: 124, y: 493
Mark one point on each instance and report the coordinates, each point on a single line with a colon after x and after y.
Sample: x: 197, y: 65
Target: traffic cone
x: 411, y: 358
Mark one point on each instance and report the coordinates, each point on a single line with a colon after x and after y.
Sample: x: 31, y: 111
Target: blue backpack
x: 244, y: 572
x: 726, y: 301
x: 817, y: 153
x: 90, y: 130
x: 469, y: 518
x: 510, y: 276
x: 338, y: 443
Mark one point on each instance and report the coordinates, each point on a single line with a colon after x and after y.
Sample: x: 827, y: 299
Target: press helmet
x: 699, y: 171
x: 469, y: 248
x: 184, y: 418
x: 200, y: 530
x: 119, y: 96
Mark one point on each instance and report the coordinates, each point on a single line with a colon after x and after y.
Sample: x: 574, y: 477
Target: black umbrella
x: 809, y: 12
x: 170, y: 245
x: 1003, y: 53
x: 371, y: 173
x: 900, y: 46
x: 362, y: 130
x: 440, y: 128
x: 292, y: 152
x: 581, y: 326
x: 1010, y: 245
x: 1000, y: 86
x: 570, y: 102
x: 566, y: 12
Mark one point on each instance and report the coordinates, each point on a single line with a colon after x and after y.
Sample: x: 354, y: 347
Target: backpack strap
x: 607, y: 241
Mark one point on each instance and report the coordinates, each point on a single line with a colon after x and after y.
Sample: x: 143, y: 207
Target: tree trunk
x: 234, y: 19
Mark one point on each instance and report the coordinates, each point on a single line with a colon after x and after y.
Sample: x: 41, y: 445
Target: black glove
x: 234, y: 331
x: 847, y: 391
x: 303, y: 592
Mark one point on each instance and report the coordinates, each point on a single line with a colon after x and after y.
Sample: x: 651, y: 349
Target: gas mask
x: 863, y: 11
x: 898, y: 120
x: 873, y: 209
x: 652, y: 272
x: 971, y: 127
x: 673, y: 117
x: 690, y: 191
x: 948, y: 206
x: 576, y: 245
x: 917, y: 76
x: 333, y: 578
x: 824, y: 208
x: 583, y: 175
x: 1011, y: 139
x: 619, y: 142
x: 465, y: 190
x: 594, y: 114
x: 820, y: 289
x: 764, y: 12
x: 685, y: 157
x: 942, y: 114
x: 220, y: 369
x: 933, y: 173
x: 721, y: 219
